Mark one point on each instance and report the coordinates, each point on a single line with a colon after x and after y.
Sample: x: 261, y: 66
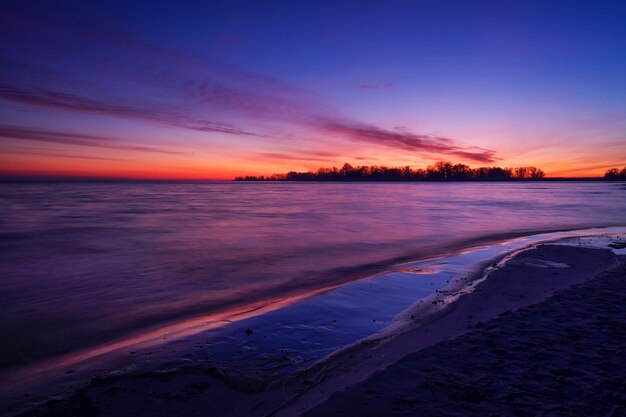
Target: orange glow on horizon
x: 167, y: 168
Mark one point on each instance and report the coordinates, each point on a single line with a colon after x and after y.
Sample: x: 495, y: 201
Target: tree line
x: 440, y: 171
x: 615, y: 174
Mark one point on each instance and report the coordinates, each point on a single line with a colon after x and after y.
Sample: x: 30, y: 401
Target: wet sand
x: 565, y: 356
x: 518, y: 359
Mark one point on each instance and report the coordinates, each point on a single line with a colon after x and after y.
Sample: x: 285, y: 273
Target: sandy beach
x: 538, y: 332
x: 561, y: 357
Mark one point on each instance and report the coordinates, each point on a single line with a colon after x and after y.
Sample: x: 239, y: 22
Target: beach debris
x: 618, y: 245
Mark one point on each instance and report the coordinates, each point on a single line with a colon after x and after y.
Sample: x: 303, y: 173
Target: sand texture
x: 487, y: 354
x: 565, y: 356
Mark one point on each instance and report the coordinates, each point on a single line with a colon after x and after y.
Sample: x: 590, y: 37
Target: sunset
x: 316, y: 209
x: 213, y: 90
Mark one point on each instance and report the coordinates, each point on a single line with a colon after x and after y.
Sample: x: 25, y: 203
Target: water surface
x: 86, y: 263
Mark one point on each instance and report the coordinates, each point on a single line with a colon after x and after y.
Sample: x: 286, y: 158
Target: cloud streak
x: 44, y: 97
x: 35, y: 151
x: 173, y: 88
x: 405, y: 140
x: 68, y: 138
x: 304, y: 156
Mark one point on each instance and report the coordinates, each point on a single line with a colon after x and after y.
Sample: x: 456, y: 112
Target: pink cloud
x: 405, y: 140
x: 69, y: 138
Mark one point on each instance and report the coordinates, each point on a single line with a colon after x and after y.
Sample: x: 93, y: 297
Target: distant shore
x: 440, y: 171
x: 528, y: 278
x: 21, y: 179
x: 430, y: 181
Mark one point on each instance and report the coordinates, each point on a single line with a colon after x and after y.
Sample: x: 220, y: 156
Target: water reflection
x: 85, y: 263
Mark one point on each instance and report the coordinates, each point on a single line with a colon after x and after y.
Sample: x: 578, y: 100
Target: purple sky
x: 213, y: 90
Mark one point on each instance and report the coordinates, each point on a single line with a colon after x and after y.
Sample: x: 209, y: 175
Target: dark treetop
x: 440, y: 171
x: 615, y: 174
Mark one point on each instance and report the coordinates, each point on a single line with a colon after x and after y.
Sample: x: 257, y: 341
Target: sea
x: 83, y: 264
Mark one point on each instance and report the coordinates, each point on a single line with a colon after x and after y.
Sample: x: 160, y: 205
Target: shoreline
x: 185, y: 323
x: 451, y: 320
x: 563, y: 355
x: 392, y: 345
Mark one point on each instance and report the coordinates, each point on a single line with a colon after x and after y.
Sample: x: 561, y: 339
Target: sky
x: 212, y: 90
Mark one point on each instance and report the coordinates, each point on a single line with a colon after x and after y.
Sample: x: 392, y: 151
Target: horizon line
x: 25, y: 178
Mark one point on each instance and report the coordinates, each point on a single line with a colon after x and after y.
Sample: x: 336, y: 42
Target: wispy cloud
x: 303, y: 156
x: 44, y: 97
x: 174, y: 88
x: 405, y: 140
x: 69, y: 138
x: 35, y: 151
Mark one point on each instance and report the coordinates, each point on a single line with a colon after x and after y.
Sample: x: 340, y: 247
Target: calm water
x: 86, y: 263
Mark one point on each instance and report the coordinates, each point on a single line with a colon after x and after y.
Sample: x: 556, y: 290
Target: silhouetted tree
x: 615, y: 174
x: 527, y: 173
x: 439, y: 171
